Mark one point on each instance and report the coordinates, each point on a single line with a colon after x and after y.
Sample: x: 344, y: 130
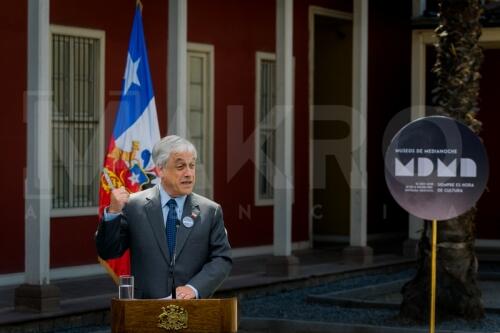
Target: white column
x: 283, y: 180
x: 177, y: 67
x: 418, y: 75
x: 418, y: 7
x: 359, y: 131
x: 415, y: 225
x: 38, y: 173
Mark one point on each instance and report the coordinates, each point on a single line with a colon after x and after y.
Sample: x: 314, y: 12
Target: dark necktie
x: 171, y: 225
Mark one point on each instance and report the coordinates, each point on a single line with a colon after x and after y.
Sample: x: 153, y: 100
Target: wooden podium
x: 151, y: 315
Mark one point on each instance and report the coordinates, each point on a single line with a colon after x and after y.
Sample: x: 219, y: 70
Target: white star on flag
x: 134, y: 178
x: 131, y: 73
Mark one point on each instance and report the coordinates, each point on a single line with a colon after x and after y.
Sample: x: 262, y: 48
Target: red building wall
x: 115, y: 18
x: 13, y: 29
x: 237, y: 30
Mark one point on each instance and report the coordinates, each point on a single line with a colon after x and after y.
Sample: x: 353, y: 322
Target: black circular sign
x: 436, y: 168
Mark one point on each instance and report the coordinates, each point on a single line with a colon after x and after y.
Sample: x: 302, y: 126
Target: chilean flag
x: 128, y: 162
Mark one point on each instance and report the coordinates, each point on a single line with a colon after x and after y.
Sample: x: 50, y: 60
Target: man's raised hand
x: 119, y: 197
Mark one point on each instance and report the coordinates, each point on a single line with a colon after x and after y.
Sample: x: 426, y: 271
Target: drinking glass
x: 126, y: 287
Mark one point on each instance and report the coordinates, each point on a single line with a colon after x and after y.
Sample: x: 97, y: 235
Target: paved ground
x: 367, y: 303
x: 388, y: 294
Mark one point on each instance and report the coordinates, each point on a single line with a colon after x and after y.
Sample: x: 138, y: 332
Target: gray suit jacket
x: 203, y: 254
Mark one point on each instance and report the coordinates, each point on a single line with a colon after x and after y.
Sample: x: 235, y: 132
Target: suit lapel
x: 155, y: 218
x: 192, y: 210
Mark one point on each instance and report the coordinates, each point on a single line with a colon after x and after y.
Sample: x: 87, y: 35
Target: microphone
x: 172, y: 261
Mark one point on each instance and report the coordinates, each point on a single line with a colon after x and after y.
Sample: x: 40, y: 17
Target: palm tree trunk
x: 457, y: 66
x: 457, y: 291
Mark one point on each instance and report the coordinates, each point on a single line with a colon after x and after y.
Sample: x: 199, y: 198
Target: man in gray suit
x: 166, y: 227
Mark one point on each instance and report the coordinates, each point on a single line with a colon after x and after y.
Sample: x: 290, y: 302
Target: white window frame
x: 208, y: 51
x: 101, y: 36
x: 259, y: 58
x: 418, y: 7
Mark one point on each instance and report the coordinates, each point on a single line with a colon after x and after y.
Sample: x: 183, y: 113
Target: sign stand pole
x: 429, y: 141
x: 433, y: 277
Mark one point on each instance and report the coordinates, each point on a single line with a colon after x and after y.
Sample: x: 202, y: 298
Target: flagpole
x: 108, y: 269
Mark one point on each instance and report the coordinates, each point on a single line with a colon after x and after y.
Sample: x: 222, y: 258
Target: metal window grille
x: 75, y: 121
x: 267, y: 129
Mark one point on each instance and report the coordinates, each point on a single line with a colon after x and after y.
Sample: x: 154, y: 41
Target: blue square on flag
x: 138, y: 174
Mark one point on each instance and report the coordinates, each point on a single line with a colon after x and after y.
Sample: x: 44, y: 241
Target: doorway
x: 331, y: 118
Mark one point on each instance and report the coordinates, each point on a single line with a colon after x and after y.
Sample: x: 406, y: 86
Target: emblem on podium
x: 173, y: 317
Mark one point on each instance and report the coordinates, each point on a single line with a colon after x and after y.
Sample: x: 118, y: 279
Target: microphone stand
x: 172, y: 262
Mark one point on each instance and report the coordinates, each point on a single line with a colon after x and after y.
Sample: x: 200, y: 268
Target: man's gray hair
x: 168, y: 145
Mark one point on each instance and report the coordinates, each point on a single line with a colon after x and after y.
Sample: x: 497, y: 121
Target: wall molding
x: 56, y: 274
